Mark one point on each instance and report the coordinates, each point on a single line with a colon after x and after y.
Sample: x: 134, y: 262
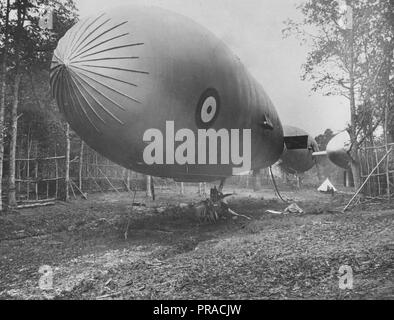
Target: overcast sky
x: 253, y: 30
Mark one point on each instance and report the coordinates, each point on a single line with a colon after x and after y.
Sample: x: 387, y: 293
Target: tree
x: 31, y: 49
x: 323, y: 139
x: 347, y: 58
x: 21, y: 8
x: 3, y: 85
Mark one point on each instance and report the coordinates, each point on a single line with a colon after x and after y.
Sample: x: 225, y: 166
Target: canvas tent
x: 326, y: 186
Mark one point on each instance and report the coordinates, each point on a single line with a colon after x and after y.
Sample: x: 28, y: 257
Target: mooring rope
x: 276, y: 187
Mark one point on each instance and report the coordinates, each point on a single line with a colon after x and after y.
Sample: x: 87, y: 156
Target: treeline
x: 26, y: 106
x: 352, y: 44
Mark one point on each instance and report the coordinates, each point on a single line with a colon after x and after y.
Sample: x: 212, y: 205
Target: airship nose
x: 95, y: 72
x: 76, y: 97
x: 58, y: 76
x: 338, y: 148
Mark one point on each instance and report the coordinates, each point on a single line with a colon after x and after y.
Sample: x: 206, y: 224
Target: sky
x: 253, y: 31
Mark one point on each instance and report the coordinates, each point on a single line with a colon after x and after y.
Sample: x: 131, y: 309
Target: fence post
x: 148, y: 186
x: 80, y: 164
x: 67, y: 173
x: 182, y: 188
x: 366, y: 180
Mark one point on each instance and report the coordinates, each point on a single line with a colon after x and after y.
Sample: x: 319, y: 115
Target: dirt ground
x: 171, y: 254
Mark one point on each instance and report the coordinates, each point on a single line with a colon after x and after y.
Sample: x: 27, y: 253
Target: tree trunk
x: 14, y: 130
x: 80, y: 164
x: 2, y: 101
x: 67, y: 173
x: 388, y: 50
x: 355, y: 163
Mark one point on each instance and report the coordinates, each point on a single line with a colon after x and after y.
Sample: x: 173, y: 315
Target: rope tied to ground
x: 277, y: 193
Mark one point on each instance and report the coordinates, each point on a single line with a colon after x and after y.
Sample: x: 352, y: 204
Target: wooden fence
x: 41, y: 176
x: 380, y: 182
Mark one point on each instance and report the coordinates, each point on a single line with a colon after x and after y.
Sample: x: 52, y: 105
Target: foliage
x: 38, y: 114
x: 323, y: 139
x: 36, y: 44
x: 362, y: 50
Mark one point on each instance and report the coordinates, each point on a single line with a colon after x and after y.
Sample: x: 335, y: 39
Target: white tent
x: 326, y: 186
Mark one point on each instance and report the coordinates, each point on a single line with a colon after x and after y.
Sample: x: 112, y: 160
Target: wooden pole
x: 128, y: 180
x: 84, y: 195
x: 14, y: 130
x: 72, y: 189
x: 67, y: 173
x: 34, y: 205
x: 36, y: 172
x: 366, y: 180
x: 94, y: 180
x: 388, y: 157
x: 80, y: 164
x: 3, y: 100
x: 126, y: 177
x: 378, y: 170
x: 202, y: 189
x: 18, y: 176
x: 182, y: 188
x: 28, y: 165
x: 14, y: 110
x: 57, y: 175
x: 148, y: 187
x: 96, y: 165
x: 368, y: 168
x: 106, y: 178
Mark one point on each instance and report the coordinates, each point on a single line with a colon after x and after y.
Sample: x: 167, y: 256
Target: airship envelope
x: 159, y: 94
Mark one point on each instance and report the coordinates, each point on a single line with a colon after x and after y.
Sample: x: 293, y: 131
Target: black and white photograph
x: 190, y: 150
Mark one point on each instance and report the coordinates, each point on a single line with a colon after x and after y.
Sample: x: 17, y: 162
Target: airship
x: 298, y: 160
x: 159, y: 94
x: 338, y: 150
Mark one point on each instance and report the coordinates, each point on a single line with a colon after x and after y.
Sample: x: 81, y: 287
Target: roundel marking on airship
x: 208, y: 108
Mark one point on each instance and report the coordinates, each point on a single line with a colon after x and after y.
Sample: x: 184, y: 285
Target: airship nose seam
x: 100, y: 35
x: 77, y: 54
x: 73, y: 93
x: 115, y: 68
x: 105, y: 76
x: 79, y: 79
x: 53, y: 69
x: 77, y: 49
x: 59, y: 92
x: 64, y: 72
x: 74, y: 39
x: 77, y: 42
x: 86, y: 100
x: 113, y: 48
x: 106, y: 86
x: 54, y: 82
x: 106, y: 58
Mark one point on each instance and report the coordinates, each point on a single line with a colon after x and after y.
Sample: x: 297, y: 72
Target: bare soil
x: 171, y: 254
